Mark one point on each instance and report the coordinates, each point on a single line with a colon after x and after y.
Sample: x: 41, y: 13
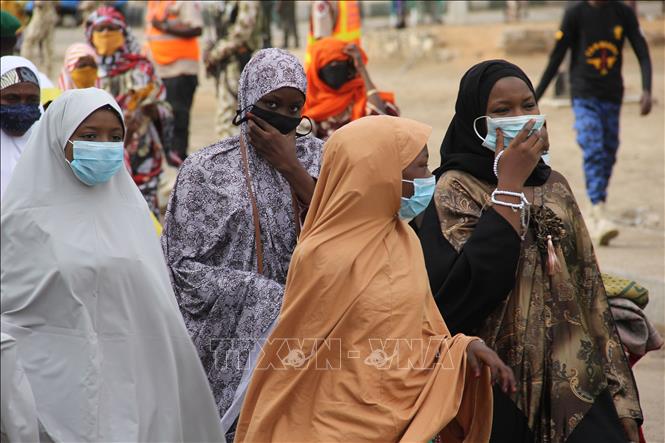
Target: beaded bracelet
x: 513, y: 206
x: 512, y: 194
x: 496, y: 163
x: 522, y: 206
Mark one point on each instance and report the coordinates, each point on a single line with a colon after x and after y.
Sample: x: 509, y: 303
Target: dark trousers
x: 180, y: 94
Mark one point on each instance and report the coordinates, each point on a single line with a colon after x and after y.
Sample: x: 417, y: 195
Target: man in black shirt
x: 595, y: 32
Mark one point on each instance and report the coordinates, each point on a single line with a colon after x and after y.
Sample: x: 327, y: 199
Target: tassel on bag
x: 553, y: 265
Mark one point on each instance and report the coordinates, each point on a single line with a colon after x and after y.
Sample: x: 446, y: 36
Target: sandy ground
x: 426, y: 91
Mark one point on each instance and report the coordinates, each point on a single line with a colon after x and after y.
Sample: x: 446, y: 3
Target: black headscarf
x: 461, y: 148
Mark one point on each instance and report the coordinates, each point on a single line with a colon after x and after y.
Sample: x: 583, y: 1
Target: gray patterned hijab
x: 269, y: 70
x: 208, y: 238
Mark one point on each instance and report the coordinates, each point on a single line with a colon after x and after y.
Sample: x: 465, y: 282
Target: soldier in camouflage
x: 38, y: 36
x: 233, y: 34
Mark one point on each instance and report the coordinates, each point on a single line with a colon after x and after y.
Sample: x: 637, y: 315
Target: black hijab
x: 461, y: 148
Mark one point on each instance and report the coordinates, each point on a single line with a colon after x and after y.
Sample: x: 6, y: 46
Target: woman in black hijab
x: 509, y: 259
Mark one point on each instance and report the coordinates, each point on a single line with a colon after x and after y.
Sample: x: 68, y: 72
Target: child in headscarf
x: 232, y: 223
x: 79, y: 69
x: 131, y: 79
x: 509, y: 258
x: 86, y: 296
x: 340, y: 89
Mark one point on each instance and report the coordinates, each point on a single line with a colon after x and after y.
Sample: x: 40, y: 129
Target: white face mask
x: 510, y: 126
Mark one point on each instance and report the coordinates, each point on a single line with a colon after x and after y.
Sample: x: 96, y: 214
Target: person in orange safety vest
x: 340, y: 19
x: 172, y: 28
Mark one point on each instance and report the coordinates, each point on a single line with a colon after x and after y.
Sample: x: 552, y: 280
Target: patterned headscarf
x: 269, y: 70
x: 18, y: 75
x: 126, y: 57
x: 105, y: 15
x: 146, y: 87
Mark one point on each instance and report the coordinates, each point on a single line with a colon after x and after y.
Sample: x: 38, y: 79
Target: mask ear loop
x: 474, y: 126
x: 65, y: 148
x: 311, y: 127
x: 239, y: 112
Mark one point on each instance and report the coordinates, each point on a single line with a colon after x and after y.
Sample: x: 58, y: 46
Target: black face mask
x: 282, y: 123
x: 335, y: 74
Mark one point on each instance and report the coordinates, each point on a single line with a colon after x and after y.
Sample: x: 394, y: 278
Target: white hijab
x: 86, y: 295
x: 12, y: 147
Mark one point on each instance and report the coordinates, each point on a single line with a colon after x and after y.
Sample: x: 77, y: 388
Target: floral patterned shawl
x: 555, y: 332
x: 208, y: 239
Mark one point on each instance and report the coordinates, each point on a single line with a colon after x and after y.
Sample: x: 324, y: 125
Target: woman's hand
x: 276, y: 148
x: 280, y: 151
x: 151, y: 111
x: 521, y: 156
x: 478, y: 354
x: 631, y: 429
x: 159, y: 24
x: 354, y: 52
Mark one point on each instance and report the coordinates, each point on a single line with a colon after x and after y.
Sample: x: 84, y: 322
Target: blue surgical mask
x: 423, y: 190
x: 19, y: 118
x: 510, y: 126
x: 96, y: 162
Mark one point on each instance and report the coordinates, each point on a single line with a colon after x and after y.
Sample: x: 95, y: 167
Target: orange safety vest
x: 347, y: 26
x: 166, y: 48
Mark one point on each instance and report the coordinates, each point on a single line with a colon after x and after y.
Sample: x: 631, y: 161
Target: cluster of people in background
x: 314, y: 281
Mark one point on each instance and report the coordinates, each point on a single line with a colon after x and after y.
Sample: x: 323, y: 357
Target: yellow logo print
x: 558, y: 35
x: 618, y: 30
x: 602, y: 55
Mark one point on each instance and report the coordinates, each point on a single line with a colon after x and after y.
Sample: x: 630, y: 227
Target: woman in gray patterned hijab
x: 229, y: 285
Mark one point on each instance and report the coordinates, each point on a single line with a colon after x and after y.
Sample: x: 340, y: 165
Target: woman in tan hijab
x: 360, y: 351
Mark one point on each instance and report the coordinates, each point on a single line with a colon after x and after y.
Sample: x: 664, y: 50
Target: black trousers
x: 180, y: 94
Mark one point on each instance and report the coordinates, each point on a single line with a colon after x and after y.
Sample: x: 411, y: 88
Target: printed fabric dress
x: 209, y: 235
x: 556, y: 331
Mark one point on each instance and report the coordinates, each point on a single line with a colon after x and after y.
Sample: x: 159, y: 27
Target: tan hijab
x: 360, y: 352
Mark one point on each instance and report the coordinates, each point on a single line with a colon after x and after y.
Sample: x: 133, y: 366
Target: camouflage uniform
x: 37, y: 43
x: 233, y: 34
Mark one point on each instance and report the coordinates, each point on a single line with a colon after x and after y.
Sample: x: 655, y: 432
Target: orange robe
x: 360, y: 352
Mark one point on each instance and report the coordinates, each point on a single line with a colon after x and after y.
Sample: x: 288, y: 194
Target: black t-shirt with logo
x: 595, y: 36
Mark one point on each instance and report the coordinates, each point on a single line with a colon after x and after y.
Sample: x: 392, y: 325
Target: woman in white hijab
x: 85, y: 291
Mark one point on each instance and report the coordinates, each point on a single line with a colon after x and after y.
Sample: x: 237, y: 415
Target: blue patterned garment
x: 597, y: 126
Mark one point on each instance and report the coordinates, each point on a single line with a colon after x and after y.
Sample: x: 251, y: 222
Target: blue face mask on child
x: 96, y: 162
x: 510, y: 126
x: 423, y: 190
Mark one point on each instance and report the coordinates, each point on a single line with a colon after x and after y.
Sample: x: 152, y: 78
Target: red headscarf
x: 322, y: 100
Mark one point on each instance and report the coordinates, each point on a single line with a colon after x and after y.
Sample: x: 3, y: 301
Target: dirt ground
x: 426, y: 91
